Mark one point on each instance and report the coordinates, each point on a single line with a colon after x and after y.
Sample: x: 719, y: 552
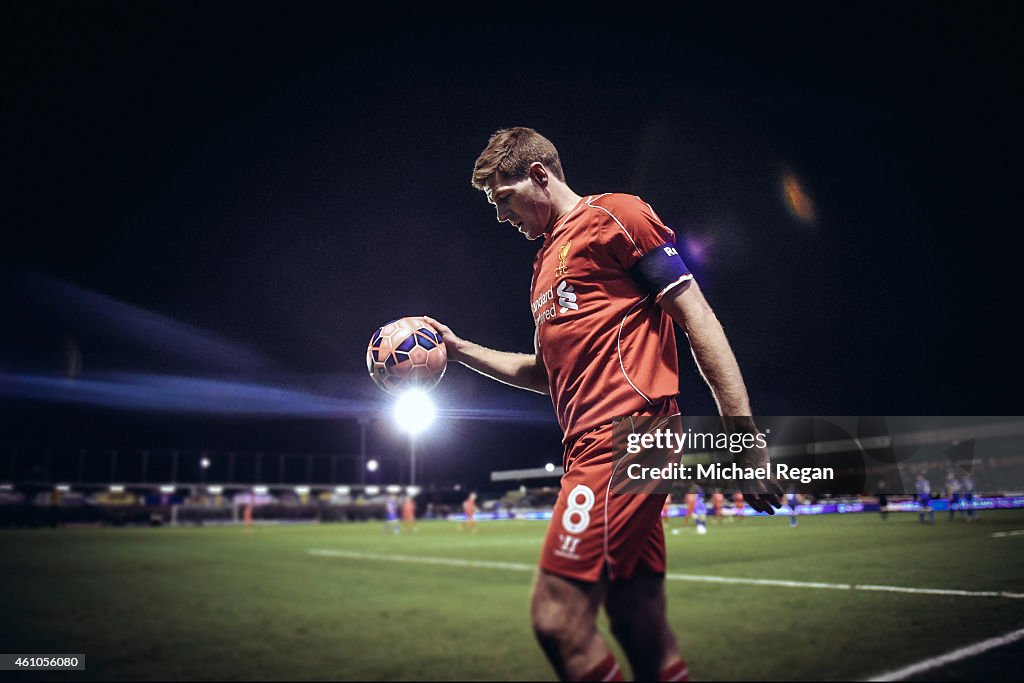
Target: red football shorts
x: 593, y: 528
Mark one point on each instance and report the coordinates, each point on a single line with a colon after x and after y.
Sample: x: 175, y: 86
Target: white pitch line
x: 949, y: 657
x: 1004, y: 534
x: 445, y: 561
x: 942, y: 591
x: 758, y: 582
x: 521, y: 567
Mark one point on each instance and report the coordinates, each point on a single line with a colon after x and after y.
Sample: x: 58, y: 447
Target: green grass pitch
x: 235, y: 603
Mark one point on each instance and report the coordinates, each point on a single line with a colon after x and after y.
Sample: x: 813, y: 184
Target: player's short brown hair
x: 510, y: 151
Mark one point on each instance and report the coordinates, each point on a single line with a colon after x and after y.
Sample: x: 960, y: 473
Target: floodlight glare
x: 414, y: 411
x: 204, y: 463
x: 371, y: 465
x: 549, y: 467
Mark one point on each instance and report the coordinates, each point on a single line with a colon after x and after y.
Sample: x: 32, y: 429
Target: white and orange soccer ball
x: 406, y: 354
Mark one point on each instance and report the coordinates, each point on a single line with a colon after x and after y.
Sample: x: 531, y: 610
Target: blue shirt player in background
x: 700, y: 512
x: 392, y: 515
x: 967, y: 498
x: 952, y: 493
x: 924, y: 499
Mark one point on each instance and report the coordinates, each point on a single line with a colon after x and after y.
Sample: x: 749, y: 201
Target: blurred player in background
x: 469, y: 509
x: 923, y: 489
x: 391, y: 511
x: 691, y: 505
x: 608, y: 283
x: 717, y: 503
x: 967, y: 498
x: 700, y: 511
x: 409, y: 514
x: 738, y: 505
x: 791, y: 502
x: 952, y: 493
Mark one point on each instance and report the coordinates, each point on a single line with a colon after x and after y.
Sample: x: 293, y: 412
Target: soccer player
x: 952, y: 493
x: 391, y: 507
x: 883, y: 500
x: 737, y: 504
x: 469, y: 508
x: 409, y: 514
x: 700, y: 512
x: 691, y: 505
x: 791, y: 502
x: 923, y: 487
x: 967, y: 498
x: 607, y: 286
x: 717, y: 502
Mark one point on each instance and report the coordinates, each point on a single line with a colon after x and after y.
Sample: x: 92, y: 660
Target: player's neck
x: 564, y: 200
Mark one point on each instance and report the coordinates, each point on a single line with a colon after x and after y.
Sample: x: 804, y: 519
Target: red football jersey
x: 608, y: 347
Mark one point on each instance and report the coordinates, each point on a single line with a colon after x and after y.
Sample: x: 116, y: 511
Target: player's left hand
x: 764, y: 495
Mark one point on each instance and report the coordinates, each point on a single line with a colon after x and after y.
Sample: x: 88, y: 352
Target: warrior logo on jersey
x: 563, y: 253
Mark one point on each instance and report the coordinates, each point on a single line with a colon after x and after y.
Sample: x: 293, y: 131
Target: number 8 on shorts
x: 579, y: 509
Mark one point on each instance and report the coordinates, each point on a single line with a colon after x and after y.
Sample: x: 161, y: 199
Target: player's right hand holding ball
x: 453, y: 342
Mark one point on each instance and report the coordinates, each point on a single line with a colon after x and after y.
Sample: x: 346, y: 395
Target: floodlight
x: 414, y: 411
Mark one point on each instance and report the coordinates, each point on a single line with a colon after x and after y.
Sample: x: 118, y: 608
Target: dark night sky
x: 285, y: 178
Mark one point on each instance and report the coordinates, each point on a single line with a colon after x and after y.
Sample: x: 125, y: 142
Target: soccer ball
x: 406, y: 354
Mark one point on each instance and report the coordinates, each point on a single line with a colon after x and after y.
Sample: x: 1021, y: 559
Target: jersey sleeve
x: 641, y: 244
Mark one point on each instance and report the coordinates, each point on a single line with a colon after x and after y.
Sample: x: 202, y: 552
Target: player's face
x: 521, y: 203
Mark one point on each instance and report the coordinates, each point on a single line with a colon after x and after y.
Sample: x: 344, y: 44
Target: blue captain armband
x: 659, y: 270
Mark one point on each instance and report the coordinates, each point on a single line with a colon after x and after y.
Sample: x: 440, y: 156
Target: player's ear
x: 539, y: 174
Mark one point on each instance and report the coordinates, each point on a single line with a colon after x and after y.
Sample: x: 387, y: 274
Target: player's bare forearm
x: 517, y: 369
x: 717, y: 364
x: 522, y: 370
x: 710, y: 347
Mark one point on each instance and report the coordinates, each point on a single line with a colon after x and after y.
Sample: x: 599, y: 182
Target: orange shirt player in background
x: 717, y: 500
x: 737, y: 504
x: 608, y: 289
x: 409, y: 514
x: 469, y: 508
